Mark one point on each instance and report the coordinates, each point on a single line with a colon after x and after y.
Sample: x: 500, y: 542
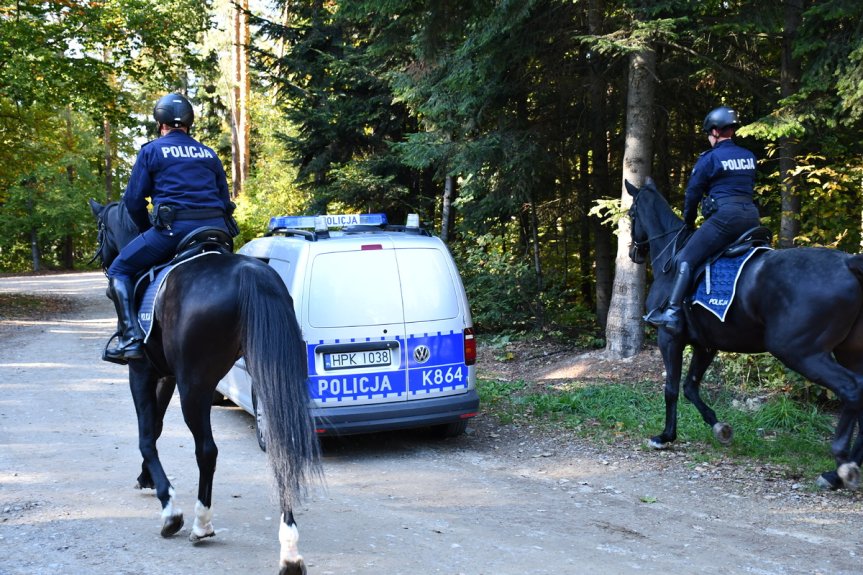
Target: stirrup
x: 673, y: 324
x: 660, y: 317
x: 122, y: 355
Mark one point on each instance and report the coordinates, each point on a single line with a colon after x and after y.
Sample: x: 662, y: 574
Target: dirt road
x: 497, y: 501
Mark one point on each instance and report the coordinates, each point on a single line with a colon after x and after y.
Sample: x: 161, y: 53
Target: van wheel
x: 453, y: 429
x: 260, y: 422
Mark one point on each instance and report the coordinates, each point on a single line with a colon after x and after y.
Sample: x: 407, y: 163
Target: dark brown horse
x: 212, y: 310
x: 802, y: 305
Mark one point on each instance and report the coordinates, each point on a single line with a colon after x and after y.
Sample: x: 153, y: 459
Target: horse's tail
x: 275, y: 357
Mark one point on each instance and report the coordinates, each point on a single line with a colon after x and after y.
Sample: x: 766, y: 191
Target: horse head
x: 116, y: 229
x: 652, y: 220
x: 639, y: 246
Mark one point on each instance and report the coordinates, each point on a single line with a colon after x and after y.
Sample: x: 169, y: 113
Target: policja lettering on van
x: 348, y: 386
x: 186, y: 152
x: 739, y: 164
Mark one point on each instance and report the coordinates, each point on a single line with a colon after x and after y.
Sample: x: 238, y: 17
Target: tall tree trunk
x: 35, y: 255
x: 624, y: 332
x: 530, y: 239
x: 67, y: 252
x: 789, y: 225
x: 109, y: 161
x: 446, y: 209
x: 585, y: 200
x: 240, y: 129
x: 106, y: 136
x: 599, y: 183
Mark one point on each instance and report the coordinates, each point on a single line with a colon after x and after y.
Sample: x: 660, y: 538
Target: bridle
x: 638, y: 249
x: 100, y: 238
x: 105, y: 237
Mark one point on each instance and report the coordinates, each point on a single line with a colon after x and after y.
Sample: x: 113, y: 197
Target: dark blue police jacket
x: 724, y: 171
x: 178, y: 170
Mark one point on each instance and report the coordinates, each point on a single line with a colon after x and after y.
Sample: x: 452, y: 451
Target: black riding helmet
x: 174, y: 110
x: 721, y: 118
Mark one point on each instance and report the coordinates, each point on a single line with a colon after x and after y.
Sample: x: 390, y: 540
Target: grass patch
x: 15, y: 306
x: 781, y: 431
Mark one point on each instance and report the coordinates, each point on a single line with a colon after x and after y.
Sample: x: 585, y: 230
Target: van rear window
x: 355, y: 288
x: 428, y: 292
x: 363, y: 288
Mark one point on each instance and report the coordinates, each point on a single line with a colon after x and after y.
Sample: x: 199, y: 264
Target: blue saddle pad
x: 717, y: 285
x: 148, y: 300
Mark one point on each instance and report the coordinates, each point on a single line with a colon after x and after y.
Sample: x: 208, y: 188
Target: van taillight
x: 366, y: 247
x: 469, y: 346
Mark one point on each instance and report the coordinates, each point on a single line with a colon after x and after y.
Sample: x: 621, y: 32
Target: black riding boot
x: 672, y: 316
x: 130, y: 337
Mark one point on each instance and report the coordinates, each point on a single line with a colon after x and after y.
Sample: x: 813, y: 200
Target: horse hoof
x: 723, y: 433
x: 293, y: 568
x: 849, y: 473
x: 144, y: 482
x: 828, y: 481
x: 196, y: 537
x: 657, y: 443
x: 171, y: 525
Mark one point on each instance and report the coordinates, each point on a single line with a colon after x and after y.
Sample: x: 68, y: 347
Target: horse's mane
x: 660, y: 207
x: 117, y: 230
x: 123, y: 219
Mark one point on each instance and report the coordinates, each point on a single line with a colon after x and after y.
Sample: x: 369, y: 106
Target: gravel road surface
x: 500, y: 500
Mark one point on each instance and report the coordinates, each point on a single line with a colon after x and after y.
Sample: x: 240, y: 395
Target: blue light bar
x: 332, y: 220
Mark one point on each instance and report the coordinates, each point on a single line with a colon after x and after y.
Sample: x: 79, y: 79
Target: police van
x: 385, y: 319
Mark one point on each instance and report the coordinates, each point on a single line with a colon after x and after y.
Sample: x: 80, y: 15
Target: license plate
x: 354, y: 359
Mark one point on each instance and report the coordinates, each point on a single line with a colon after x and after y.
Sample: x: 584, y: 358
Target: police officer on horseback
x: 187, y: 187
x: 723, y: 181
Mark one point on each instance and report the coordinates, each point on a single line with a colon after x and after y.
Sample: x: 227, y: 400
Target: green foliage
x: 782, y: 430
x: 48, y: 203
x: 609, y: 210
x: 272, y: 189
x: 346, y: 119
x: 764, y: 375
x: 500, y: 287
x: 67, y: 69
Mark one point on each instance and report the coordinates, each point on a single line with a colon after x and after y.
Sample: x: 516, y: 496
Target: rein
x: 100, y: 239
x: 672, y: 244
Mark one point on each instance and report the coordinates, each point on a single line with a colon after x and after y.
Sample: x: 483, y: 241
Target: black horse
x: 802, y: 305
x: 213, y: 310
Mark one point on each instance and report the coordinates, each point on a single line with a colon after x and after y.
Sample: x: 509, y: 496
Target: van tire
x: 454, y: 429
x: 260, y: 424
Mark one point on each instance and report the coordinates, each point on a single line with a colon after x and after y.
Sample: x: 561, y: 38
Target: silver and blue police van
x: 385, y: 319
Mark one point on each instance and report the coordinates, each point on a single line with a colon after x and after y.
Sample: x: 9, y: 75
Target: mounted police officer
x: 723, y: 180
x: 187, y: 187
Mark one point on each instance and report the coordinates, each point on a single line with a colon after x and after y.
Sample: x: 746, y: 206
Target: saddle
x: 196, y: 242
x: 757, y: 236
x: 715, y: 282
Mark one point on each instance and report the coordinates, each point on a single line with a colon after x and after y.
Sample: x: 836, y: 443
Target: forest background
x: 509, y: 126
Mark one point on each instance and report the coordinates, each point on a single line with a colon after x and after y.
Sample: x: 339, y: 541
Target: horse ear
x: 96, y: 207
x: 633, y: 190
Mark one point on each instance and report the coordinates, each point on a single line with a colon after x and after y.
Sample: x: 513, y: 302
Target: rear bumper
x: 351, y: 420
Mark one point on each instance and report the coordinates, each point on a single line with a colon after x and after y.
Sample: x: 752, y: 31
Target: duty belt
x: 198, y: 214
x: 732, y: 200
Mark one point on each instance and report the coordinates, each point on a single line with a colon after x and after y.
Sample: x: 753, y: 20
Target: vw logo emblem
x: 422, y: 353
